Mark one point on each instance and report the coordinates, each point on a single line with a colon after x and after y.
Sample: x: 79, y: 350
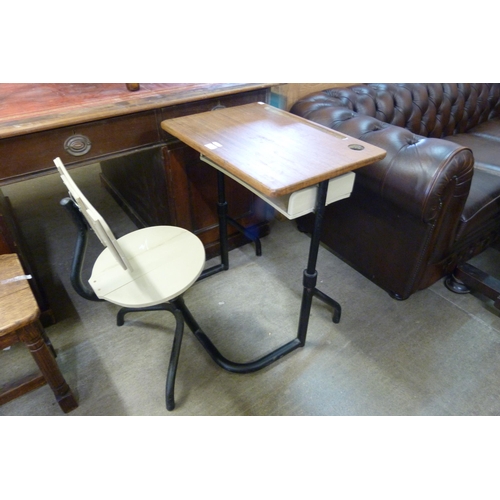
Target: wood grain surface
x: 30, y: 107
x: 272, y: 150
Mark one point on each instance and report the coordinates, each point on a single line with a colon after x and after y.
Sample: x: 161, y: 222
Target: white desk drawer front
x: 303, y: 201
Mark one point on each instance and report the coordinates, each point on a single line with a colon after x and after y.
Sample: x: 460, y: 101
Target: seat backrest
x: 95, y: 220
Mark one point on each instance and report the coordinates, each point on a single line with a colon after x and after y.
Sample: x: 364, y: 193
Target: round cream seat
x: 162, y: 263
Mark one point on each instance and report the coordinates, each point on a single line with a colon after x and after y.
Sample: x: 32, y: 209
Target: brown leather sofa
x: 434, y: 201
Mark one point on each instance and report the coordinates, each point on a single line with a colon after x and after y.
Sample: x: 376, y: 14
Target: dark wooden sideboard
x: 156, y: 179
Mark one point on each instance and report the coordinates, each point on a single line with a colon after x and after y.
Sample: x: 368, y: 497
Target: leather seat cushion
x: 484, y: 141
x: 488, y: 130
x: 483, y: 204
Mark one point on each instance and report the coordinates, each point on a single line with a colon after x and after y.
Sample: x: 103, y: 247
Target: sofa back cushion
x: 428, y: 109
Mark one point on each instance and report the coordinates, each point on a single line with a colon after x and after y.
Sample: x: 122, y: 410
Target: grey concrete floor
x: 436, y: 353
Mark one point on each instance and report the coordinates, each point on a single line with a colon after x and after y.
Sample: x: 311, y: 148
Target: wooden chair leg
x: 15, y: 389
x: 31, y: 335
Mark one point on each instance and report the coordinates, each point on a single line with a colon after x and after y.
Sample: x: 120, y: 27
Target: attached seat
x: 148, y: 269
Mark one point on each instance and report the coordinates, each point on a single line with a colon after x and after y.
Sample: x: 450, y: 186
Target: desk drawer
x: 25, y: 155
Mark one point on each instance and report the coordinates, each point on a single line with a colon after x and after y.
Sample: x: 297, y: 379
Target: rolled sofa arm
x: 418, y: 174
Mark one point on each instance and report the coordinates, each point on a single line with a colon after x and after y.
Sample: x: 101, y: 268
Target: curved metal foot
x: 176, y: 346
x: 225, y: 363
x: 248, y: 233
x: 120, y: 317
x: 251, y: 366
x: 337, y: 309
x: 174, y: 359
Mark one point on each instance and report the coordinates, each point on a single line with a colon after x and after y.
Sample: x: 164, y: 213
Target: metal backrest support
x: 94, y: 219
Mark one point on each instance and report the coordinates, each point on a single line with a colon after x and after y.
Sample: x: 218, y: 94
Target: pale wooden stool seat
x: 19, y: 322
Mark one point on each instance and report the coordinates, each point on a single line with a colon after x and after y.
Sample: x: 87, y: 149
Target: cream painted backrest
x: 95, y: 220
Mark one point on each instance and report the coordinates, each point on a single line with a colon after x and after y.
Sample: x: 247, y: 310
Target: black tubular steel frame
x: 179, y: 309
x: 87, y: 293
x: 309, y: 291
x: 80, y: 248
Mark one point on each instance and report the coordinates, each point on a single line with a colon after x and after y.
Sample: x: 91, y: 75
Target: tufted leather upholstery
x: 429, y: 205
x: 430, y: 109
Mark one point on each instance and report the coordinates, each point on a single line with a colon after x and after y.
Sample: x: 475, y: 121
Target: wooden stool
x: 19, y: 322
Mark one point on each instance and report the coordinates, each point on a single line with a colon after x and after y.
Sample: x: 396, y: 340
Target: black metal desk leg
x: 310, y: 273
x: 222, y: 212
x: 223, y: 219
x: 310, y: 291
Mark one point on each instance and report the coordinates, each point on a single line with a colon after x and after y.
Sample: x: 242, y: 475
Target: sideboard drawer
x: 23, y: 155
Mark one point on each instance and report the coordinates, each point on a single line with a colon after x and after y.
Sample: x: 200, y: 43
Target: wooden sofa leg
x: 475, y: 279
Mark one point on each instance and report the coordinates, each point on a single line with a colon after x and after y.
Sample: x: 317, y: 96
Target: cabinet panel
x: 137, y: 181
x: 192, y: 188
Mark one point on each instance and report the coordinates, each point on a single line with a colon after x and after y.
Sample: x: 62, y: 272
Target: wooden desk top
x: 27, y: 107
x: 271, y: 150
